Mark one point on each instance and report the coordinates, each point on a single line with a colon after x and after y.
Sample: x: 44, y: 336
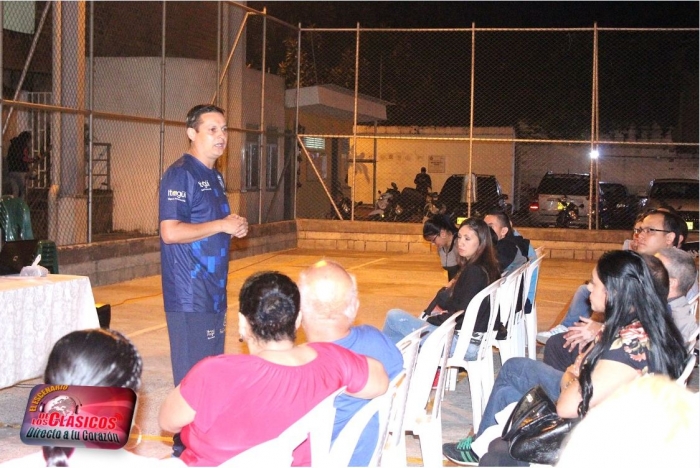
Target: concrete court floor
x: 386, y: 280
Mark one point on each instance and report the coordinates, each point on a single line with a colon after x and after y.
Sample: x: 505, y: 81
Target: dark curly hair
x: 269, y: 301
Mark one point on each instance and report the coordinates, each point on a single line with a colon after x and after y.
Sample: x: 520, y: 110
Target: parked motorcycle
x: 344, y: 205
x: 568, y: 212
x: 384, y: 209
x: 409, y: 206
x: 433, y: 206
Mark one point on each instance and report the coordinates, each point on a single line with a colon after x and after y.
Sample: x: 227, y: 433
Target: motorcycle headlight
x: 399, y: 210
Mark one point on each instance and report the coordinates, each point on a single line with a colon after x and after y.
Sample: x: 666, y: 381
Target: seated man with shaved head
x: 329, y: 306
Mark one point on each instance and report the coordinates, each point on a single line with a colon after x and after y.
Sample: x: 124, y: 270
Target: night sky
x: 485, y: 14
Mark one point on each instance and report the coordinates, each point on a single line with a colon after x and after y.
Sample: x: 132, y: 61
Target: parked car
x: 620, y: 208
x: 486, y: 194
x: 554, y: 189
x: 679, y: 194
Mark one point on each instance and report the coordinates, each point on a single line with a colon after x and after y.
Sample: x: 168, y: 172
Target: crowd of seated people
x: 229, y: 403
x: 638, y: 337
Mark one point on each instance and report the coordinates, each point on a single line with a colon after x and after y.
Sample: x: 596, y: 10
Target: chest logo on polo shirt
x: 204, y: 185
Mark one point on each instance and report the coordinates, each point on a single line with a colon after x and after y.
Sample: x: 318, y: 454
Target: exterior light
x: 594, y: 154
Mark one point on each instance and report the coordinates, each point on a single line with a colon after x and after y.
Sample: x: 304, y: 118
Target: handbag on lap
x: 534, y: 431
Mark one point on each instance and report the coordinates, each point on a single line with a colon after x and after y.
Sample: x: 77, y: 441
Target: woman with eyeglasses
x: 638, y: 338
x: 441, y: 231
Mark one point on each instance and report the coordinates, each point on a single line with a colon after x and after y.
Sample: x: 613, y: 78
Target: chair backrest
x: 433, y: 354
x: 409, y: 347
x: 509, y: 294
x: 689, y: 365
x: 317, y: 424
x: 15, y: 219
x: 539, y: 251
x: 49, y: 255
x: 344, y: 445
x: 531, y: 276
x: 465, y: 333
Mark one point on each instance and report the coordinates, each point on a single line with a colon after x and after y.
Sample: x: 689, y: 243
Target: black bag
x: 534, y: 430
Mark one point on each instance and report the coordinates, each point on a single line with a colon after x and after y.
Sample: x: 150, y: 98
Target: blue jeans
x: 399, y: 323
x: 517, y: 376
x: 580, y: 306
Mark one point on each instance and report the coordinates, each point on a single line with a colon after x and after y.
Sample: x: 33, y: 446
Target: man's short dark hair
x: 196, y: 112
x: 503, y: 218
x: 673, y: 223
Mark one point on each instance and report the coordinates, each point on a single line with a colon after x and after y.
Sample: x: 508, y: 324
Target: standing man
x: 196, y: 226
x: 329, y: 306
x: 424, y: 183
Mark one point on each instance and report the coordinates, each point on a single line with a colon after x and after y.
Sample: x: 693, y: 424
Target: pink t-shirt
x: 243, y: 400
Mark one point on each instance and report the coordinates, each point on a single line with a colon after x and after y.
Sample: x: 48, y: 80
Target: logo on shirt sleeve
x: 177, y: 195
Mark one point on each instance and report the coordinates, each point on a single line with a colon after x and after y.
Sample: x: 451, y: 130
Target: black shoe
x: 178, y: 446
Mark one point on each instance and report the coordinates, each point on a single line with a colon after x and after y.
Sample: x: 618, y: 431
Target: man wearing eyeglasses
x: 659, y: 229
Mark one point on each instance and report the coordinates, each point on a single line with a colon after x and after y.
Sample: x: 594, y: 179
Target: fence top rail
x: 475, y: 29
x: 371, y: 136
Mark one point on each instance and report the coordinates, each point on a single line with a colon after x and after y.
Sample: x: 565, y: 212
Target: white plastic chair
x: 514, y: 343
x: 394, y: 451
x: 481, y: 370
x: 539, y: 251
x: 344, y: 445
x: 682, y: 380
x: 422, y: 418
x: 532, y: 274
x: 317, y: 424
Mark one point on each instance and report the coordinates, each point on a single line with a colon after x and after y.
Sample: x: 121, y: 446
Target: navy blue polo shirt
x: 194, y: 274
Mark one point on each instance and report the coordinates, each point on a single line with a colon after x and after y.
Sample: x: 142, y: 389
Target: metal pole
x: 597, y: 132
x: 296, y: 126
x: 591, y: 170
x: 161, y: 150
x: 91, y: 106
x: 261, y: 137
x: 35, y: 39
x: 230, y: 57
x: 354, y: 124
x: 471, y: 125
x: 2, y: 33
x: 218, y: 49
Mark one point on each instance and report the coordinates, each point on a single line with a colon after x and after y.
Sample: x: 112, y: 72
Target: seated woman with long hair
x: 101, y: 358
x: 229, y: 403
x: 479, y: 268
x: 638, y: 337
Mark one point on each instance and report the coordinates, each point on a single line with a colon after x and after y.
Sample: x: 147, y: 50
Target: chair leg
x: 452, y: 378
x: 431, y: 443
x: 531, y: 331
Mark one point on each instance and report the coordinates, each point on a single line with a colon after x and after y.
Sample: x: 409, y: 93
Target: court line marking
x: 147, y: 330
x: 368, y: 263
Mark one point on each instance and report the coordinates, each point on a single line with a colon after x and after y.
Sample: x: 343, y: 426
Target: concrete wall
x: 123, y: 260
x: 399, y: 160
x: 408, y: 238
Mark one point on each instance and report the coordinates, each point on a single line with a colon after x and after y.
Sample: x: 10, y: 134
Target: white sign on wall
x: 436, y: 164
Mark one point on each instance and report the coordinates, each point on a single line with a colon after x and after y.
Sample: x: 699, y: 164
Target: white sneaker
x: 542, y: 337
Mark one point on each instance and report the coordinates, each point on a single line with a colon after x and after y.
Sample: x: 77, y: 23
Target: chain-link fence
x: 324, y: 123
x: 559, y: 127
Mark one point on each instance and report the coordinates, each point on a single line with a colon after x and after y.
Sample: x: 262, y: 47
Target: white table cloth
x: 34, y: 314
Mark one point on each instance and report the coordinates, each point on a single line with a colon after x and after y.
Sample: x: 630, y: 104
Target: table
x: 34, y: 313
